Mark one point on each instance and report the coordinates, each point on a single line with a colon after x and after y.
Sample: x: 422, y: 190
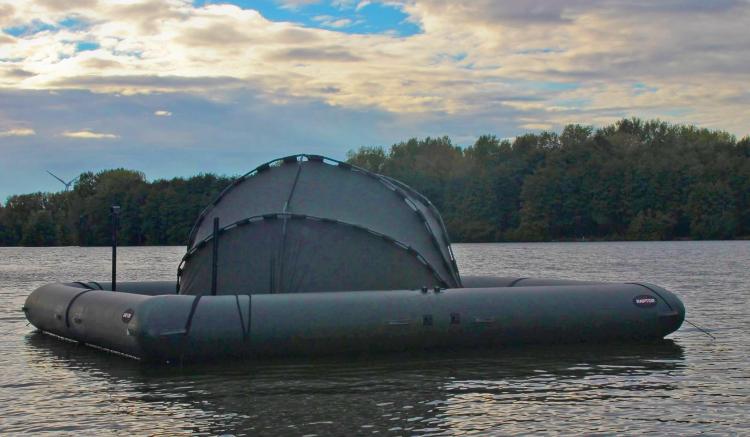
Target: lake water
x: 687, y: 385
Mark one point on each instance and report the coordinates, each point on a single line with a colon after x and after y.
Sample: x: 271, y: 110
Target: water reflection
x: 454, y: 392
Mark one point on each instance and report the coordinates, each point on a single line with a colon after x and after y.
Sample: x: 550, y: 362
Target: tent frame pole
x: 215, y: 257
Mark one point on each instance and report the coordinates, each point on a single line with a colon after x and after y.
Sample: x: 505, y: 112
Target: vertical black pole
x: 215, y: 257
x: 115, y: 219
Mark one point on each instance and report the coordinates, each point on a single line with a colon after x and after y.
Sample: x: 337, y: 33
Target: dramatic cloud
x: 467, y: 68
x: 612, y: 57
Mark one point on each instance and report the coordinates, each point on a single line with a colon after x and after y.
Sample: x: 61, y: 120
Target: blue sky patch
x: 35, y: 26
x: 373, y: 18
x: 83, y: 46
x: 459, y: 57
x: 549, y: 86
x: 73, y: 23
x: 641, y: 88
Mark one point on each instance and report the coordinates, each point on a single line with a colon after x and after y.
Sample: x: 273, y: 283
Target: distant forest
x: 633, y: 180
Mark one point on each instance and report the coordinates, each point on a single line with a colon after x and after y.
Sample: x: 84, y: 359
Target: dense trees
x: 160, y: 212
x: 631, y: 180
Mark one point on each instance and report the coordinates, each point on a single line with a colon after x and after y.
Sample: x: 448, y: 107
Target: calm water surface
x: 687, y: 385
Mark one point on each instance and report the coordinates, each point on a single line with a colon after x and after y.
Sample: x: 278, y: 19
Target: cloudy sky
x: 177, y: 87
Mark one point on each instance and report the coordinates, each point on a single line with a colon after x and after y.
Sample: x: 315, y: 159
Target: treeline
x: 632, y: 180
x: 154, y: 213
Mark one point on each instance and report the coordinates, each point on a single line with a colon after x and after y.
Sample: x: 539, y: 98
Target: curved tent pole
x: 254, y: 219
x: 444, y: 231
x: 282, y: 243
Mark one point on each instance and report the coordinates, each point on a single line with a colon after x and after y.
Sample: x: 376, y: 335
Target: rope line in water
x: 701, y: 329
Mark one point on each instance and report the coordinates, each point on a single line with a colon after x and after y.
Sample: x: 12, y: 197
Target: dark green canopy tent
x: 306, y: 223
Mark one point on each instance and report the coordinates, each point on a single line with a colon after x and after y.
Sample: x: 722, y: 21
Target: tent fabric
x: 311, y: 255
x: 362, y: 210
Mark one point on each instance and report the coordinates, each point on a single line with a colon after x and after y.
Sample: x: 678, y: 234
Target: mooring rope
x: 245, y: 332
x: 701, y: 329
x: 188, y: 325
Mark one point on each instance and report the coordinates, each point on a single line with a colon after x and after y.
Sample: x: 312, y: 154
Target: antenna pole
x: 115, y: 210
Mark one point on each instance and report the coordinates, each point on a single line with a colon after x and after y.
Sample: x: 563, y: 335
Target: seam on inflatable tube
x: 70, y: 304
x: 653, y: 291
x: 516, y: 281
x: 246, y: 330
x: 97, y: 284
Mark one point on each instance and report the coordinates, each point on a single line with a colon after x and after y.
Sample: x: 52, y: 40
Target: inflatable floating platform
x: 148, y: 321
x: 320, y: 257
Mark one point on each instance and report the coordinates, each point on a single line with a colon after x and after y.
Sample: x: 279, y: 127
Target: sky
x: 180, y: 87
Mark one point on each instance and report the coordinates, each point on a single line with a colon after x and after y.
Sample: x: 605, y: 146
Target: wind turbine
x: 67, y: 184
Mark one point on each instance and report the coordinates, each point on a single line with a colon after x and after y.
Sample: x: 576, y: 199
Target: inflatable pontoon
x: 308, y: 255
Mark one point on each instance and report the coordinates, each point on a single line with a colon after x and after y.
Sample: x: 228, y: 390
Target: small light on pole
x: 115, y: 210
